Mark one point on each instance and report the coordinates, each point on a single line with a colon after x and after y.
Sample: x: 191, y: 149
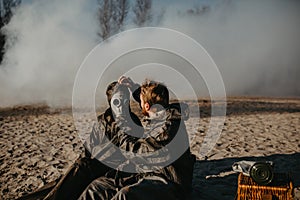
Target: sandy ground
x: 39, y: 143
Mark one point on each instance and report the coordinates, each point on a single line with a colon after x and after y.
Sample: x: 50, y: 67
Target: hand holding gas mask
x: 120, y: 106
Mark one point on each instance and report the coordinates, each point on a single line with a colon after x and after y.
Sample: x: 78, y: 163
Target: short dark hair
x: 154, y: 92
x: 113, y: 87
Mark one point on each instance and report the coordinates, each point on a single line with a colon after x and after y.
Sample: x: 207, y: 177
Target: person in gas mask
x: 87, y: 167
x: 161, y: 122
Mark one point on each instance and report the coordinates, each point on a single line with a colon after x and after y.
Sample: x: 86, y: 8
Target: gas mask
x: 120, y: 104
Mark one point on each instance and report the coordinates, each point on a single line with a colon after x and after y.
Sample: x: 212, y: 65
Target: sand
x: 38, y: 144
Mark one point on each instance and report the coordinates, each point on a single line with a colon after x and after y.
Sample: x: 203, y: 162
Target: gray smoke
x: 47, y: 41
x: 255, y: 44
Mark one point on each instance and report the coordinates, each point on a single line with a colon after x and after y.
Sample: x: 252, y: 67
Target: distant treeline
x: 112, y: 15
x: 6, y: 11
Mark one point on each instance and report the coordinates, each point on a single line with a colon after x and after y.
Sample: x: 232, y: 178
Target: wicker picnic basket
x: 281, y: 188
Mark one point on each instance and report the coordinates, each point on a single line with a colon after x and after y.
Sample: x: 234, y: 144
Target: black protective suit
x: 86, y: 169
x: 170, y: 182
x: 88, y: 178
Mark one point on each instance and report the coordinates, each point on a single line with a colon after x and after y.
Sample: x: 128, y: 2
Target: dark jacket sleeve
x: 126, y: 133
x: 136, y: 91
x: 95, y: 138
x: 160, y: 134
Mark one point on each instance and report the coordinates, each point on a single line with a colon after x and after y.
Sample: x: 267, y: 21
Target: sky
x: 255, y: 45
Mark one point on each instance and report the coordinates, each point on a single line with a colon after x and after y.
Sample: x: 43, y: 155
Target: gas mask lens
x: 116, y: 102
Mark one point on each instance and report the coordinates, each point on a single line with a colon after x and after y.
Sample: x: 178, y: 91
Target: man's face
x: 120, y: 104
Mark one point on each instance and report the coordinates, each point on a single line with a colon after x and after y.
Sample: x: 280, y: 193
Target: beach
x: 38, y: 143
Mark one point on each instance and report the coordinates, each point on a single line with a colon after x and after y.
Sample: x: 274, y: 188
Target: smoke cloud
x: 255, y: 44
x: 47, y: 41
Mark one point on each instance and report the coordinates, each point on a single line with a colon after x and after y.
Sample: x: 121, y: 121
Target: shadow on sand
x: 225, y: 187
